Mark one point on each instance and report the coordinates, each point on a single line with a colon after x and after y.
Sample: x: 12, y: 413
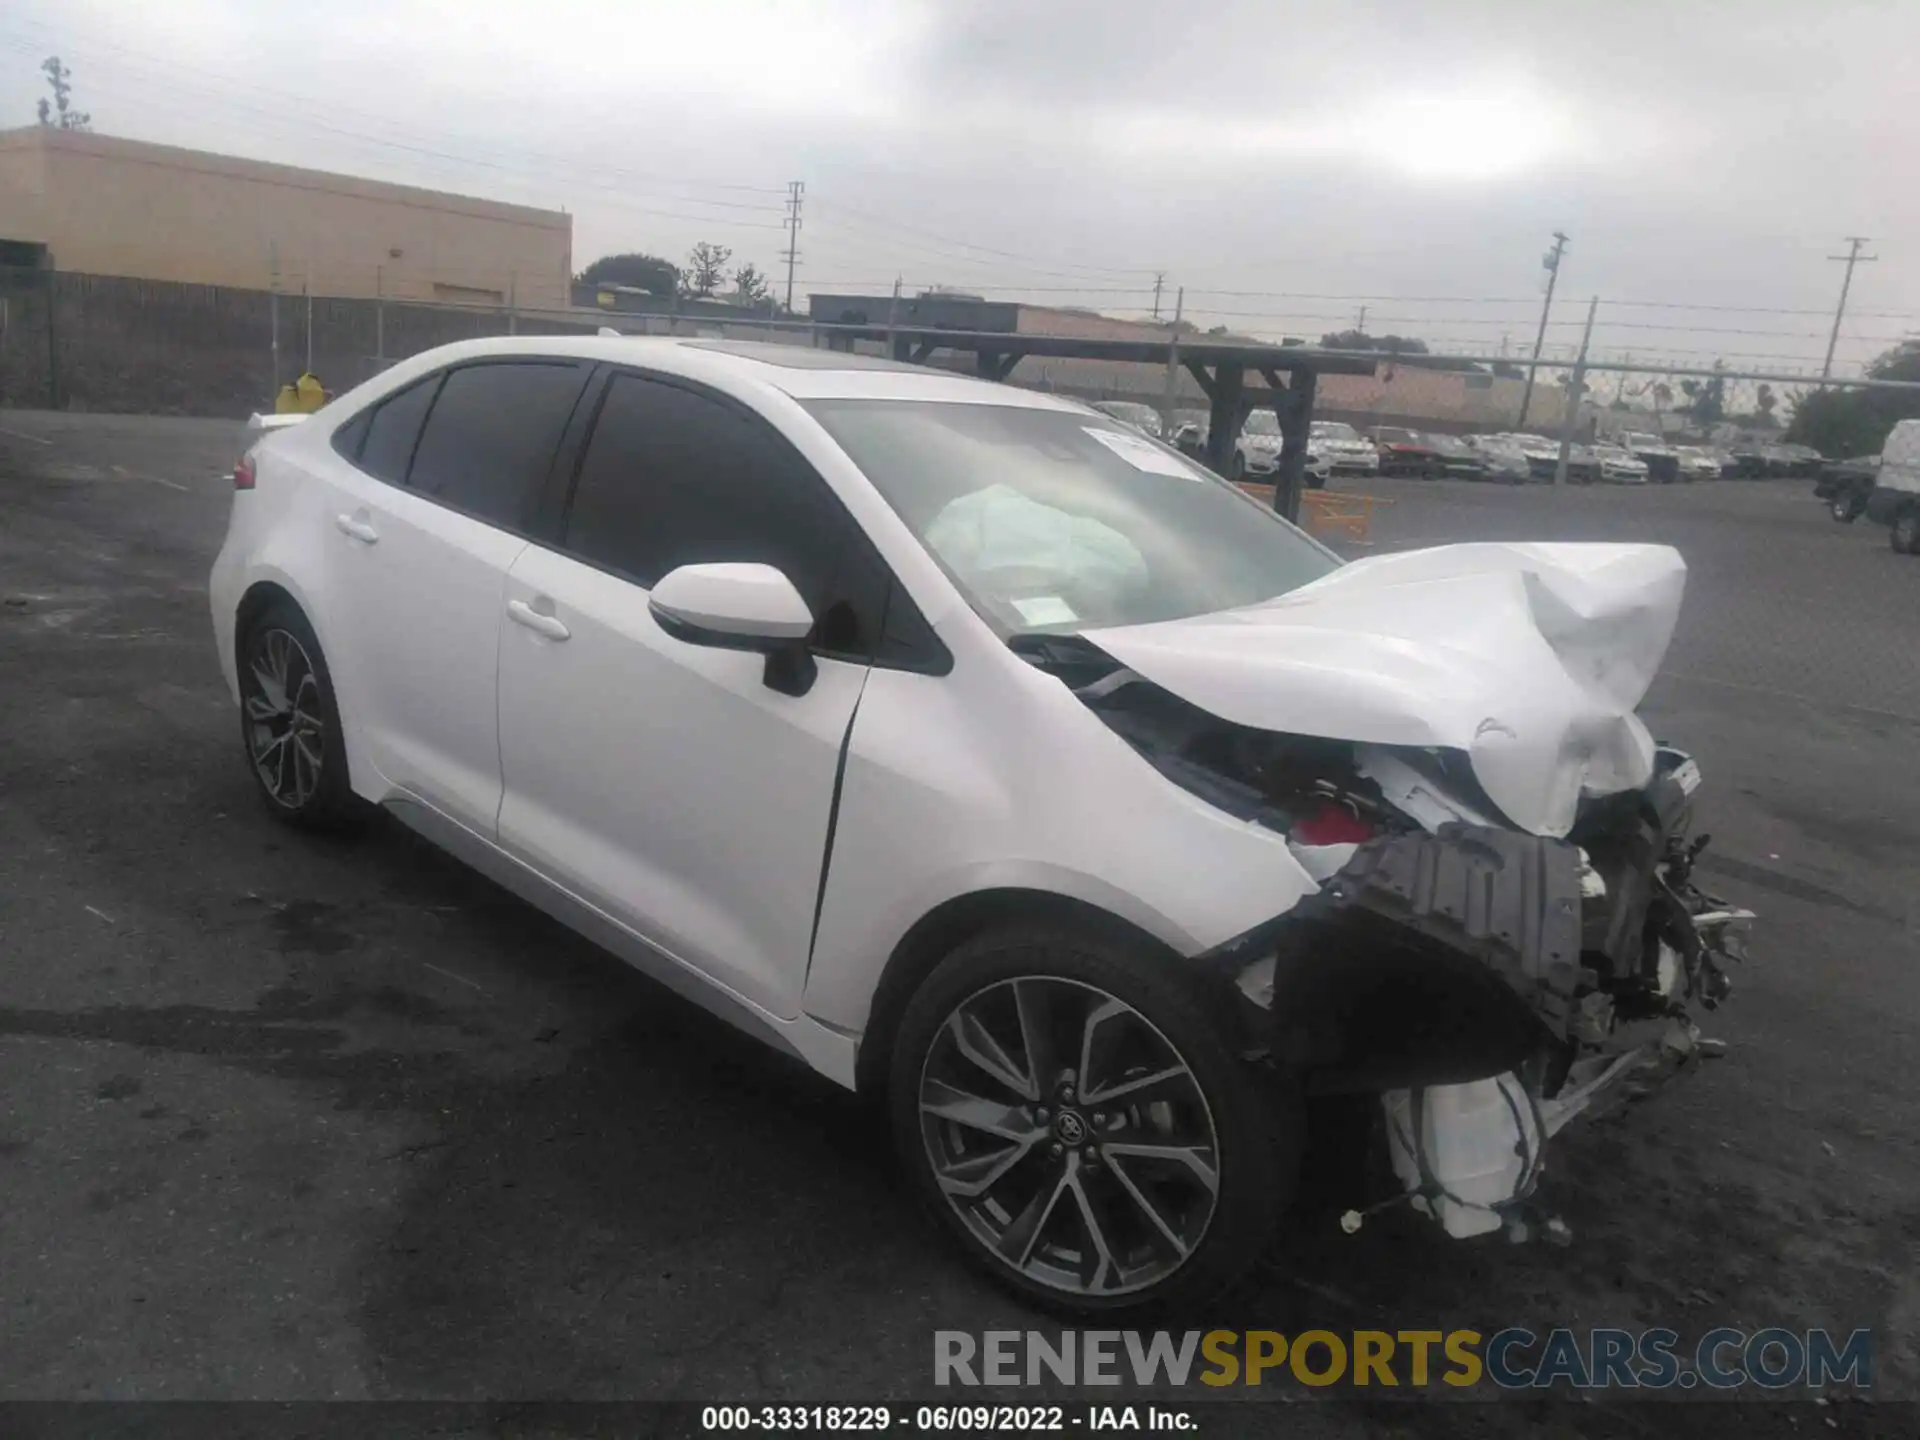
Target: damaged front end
x: 1488, y: 983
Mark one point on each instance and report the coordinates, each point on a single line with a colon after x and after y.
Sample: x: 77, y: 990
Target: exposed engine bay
x: 1487, y: 982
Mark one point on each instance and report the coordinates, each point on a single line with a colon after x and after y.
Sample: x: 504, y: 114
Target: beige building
x: 99, y: 205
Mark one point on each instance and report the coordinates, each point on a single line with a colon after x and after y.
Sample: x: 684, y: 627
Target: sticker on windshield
x: 1045, y: 610
x: 1143, y: 454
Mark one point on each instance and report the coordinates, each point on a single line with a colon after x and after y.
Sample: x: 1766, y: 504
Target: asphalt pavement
x: 290, y: 1119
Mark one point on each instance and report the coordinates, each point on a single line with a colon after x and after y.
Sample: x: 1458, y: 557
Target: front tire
x: 290, y: 723
x: 1077, y: 1117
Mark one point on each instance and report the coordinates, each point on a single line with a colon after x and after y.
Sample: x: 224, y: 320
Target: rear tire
x: 1904, y: 532
x: 1153, y: 1180
x: 290, y: 724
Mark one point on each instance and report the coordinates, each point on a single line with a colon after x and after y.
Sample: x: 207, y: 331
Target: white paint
x: 22, y: 435
x: 666, y: 790
x: 1530, y: 658
x: 745, y: 601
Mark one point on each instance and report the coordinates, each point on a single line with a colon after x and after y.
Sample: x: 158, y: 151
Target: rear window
x: 492, y: 436
x: 394, y: 430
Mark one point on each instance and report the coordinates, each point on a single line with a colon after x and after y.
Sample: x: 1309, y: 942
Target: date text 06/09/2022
x: 939, y: 1419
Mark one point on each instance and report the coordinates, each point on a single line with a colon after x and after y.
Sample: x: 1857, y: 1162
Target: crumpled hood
x: 1529, y: 657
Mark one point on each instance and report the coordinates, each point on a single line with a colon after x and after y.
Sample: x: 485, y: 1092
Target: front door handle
x: 359, y: 529
x: 551, y: 626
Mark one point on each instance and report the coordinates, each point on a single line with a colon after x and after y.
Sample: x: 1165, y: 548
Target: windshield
x: 1047, y: 522
x: 1139, y: 415
x: 1261, y: 422
x: 1333, y: 430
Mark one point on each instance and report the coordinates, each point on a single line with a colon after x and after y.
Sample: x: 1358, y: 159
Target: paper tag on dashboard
x: 1045, y: 610
x: 1143, y: 454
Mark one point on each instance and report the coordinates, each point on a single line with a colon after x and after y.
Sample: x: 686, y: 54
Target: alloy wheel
x: 286, y: 731
x: 1069, y: 1136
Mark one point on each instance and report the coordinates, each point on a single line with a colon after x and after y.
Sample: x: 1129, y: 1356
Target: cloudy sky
x: 1284, y: 162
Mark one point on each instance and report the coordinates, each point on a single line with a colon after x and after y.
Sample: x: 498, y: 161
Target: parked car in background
x: 1256, y: 455
x: 1344, y: 450
x: 1143, y: 418
x: 1894, y: 500
x: 1543, y: 455
x: 1662, y: 461
x: 1614, y: 465
x: 1698, y: 463
x: 1845, y: 485
x: 1458, y: 460
x: 1749, y: 460
x: 1503, y: 458
x: 1259, y: 449
x: 1795, y: 462
x: 1406, y: 452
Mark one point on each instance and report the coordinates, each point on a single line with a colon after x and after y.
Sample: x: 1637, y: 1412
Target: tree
x: 1841, y: 423
x: 643, y: 272
x: 752, y: 287
x: 1360, y: 340
x: 1706, y: 399
x: 706, y: 269
x: 59, y: 114
x: 1764, y: 402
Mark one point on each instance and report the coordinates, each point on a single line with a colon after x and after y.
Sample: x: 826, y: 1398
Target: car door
x: 447, y: 476
x: 664, y: 782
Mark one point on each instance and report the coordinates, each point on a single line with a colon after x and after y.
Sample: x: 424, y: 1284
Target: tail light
x: 1332, y: 824
x: 243, y: 473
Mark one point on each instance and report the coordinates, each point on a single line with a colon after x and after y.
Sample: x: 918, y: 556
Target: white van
x: 1895, y: 499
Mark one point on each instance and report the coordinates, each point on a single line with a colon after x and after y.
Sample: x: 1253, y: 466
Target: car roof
x: 801, y: 371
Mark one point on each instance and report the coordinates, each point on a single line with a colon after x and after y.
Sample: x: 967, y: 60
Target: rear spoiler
x: 260, y: 423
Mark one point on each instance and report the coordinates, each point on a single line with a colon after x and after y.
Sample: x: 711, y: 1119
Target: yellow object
x: 1328, y: 511
x: 303, y: 397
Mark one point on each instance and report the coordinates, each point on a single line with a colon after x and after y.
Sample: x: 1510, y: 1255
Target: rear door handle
x: 358, y: 529
x: 551, y: 626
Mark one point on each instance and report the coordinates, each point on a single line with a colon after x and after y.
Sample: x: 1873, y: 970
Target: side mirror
x: 740, y: 607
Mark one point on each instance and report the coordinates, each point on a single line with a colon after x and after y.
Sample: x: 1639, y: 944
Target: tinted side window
x: 395, y: 429
x: 671, y: 477
x: 491, y: 437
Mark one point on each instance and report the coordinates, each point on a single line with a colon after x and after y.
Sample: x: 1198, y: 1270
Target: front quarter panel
x: 996, y: 776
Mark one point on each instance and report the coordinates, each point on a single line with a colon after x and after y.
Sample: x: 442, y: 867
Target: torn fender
x: 1530, y: 658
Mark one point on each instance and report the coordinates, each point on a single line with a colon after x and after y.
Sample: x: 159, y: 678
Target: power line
x: 534, y: 161
x: 858, y: 216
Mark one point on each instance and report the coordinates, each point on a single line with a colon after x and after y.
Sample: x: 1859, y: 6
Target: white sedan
x: 988, y: 755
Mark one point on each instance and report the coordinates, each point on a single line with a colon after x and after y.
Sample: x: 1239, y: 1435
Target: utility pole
x: 1552, y: 262
x: 1173, y: 360
x: 307, y: 290
x: 273, y: 310
x: 1360, y: 324
x: 796, y: 191
x: 1576, y: 387
x: 1159, y: 281
x: 893, y: 321
x: 380, y: 317
x: 1852, y: 258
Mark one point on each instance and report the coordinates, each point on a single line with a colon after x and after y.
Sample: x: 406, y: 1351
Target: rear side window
x: 491, y: 437
x: 394, y: 430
